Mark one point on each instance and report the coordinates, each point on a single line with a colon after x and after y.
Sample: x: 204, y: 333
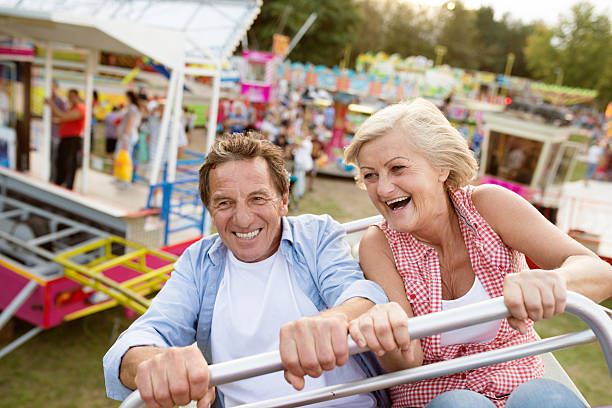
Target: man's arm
x: 170, y: 322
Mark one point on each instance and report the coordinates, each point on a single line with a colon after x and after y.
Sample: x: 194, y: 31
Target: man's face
x: 246, y: 208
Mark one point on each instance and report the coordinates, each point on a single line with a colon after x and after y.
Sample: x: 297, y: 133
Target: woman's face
x: 401, y: 183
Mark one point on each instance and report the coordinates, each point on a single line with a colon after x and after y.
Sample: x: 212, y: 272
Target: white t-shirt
x: 134, y: 112
x: 253, y: 302
x: 480, y: 333
x: 594, y: 153
x: 303, y: 156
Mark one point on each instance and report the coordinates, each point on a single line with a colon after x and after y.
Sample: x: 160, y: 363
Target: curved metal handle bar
x: 360, y: 225
x: 424, y: 326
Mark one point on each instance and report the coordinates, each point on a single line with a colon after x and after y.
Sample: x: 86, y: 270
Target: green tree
x: 604, y: 86
x: 459, y: 36
x: 336, y: 26
x: 577, y: 50
x: 372, y: 32
x: 488, y: 39
x: 542, y: 57
x: 408, y: 30
x: 584, y: 43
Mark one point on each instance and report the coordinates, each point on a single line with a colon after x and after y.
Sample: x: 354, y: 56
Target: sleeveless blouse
x: 491, y: 260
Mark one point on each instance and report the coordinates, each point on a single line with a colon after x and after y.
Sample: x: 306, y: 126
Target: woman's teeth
x: 398, y: 202
x: 248, y: 235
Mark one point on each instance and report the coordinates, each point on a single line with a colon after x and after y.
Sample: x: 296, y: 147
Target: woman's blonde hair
x: 427, y: 132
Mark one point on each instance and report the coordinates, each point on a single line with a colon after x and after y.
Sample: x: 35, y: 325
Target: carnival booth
x: 258, y: 76
x: 530, y: 158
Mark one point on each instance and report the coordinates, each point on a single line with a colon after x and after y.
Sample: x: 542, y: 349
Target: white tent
x: 174, y: 33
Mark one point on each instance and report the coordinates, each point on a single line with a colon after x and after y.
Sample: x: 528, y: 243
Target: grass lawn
x: 62, y: 367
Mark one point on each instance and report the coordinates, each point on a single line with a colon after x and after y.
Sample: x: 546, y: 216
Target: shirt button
x: 463, y: 376
x: 412, y: 296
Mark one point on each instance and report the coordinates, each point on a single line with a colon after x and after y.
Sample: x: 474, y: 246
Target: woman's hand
x: 383, y: 329
x: 535, y: 294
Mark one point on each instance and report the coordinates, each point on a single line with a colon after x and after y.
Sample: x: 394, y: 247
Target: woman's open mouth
x: 398, y: 203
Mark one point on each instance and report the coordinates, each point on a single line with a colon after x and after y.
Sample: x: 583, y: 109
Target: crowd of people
x: 133, y: 126
x: 295, y: 124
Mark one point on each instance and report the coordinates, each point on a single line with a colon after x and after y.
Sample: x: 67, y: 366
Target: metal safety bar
x: 419, y: 327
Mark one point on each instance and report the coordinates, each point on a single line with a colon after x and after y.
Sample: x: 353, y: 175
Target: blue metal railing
x: 181, y: 195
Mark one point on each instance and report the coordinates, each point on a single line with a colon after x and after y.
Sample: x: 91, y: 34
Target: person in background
x: 127, y: 131
x: 236, y: 120
x: 594, y: 154
x: 55, y: 125
x: 264, y: 282
x: 94, y: 120
x: 153, y: 129
x: 302, y: 163
x: 317, y: 150
x: 72, y: 125
x: 111, y: 121
x: 445, y: 243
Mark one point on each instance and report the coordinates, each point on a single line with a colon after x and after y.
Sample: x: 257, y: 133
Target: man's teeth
x: 397, y: 200
x: 248, y: 235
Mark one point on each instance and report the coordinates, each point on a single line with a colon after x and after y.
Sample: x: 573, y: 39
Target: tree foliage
x: 336, y: 26
x: 576, y: 51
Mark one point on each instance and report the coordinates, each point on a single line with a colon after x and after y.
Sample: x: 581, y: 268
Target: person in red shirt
x: 72, y: 124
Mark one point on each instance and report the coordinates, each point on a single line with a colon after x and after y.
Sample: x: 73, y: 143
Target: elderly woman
x: 443, y: 244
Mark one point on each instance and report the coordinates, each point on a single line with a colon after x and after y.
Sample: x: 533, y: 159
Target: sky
x: 528, y: 10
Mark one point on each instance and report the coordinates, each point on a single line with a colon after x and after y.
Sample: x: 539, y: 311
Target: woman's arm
x: 566, y: 265
x: 384, y: 328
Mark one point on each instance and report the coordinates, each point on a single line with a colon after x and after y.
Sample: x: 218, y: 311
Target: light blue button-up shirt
x: 181, y: 313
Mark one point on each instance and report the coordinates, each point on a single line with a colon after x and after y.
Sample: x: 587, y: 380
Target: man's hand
x: 535, y: 294
x: 173, y: 376
x: 313, y: 344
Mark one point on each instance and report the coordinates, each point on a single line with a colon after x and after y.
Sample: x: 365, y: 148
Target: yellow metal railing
x: 130, y: 293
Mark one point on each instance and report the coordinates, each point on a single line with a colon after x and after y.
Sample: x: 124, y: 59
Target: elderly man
x: 263, y: 274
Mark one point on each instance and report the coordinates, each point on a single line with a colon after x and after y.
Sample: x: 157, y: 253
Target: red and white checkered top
x: 491, y: 260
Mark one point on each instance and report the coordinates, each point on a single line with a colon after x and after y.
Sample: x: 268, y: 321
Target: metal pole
x: 163, y: 128
x: 211, y: 132
x: 45, y: 143
x: 176, y: 122
x: 213, y: 110
x: 427, y: 325
x: 18, y: 342
x: 427, y: 371
x: 298, y: 36
x: 17, y: 301
x: 362, y: 224
x: 90, y: 63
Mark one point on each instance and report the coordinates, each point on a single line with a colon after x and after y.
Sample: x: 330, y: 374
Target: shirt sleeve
x: 171, y: 320
x: 340, y: 276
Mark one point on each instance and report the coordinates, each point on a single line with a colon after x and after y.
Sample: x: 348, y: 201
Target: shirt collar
x: 217, y: 250
x: 287, y: 233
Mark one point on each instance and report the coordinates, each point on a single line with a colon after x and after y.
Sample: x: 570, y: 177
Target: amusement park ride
x: 65, y: 255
